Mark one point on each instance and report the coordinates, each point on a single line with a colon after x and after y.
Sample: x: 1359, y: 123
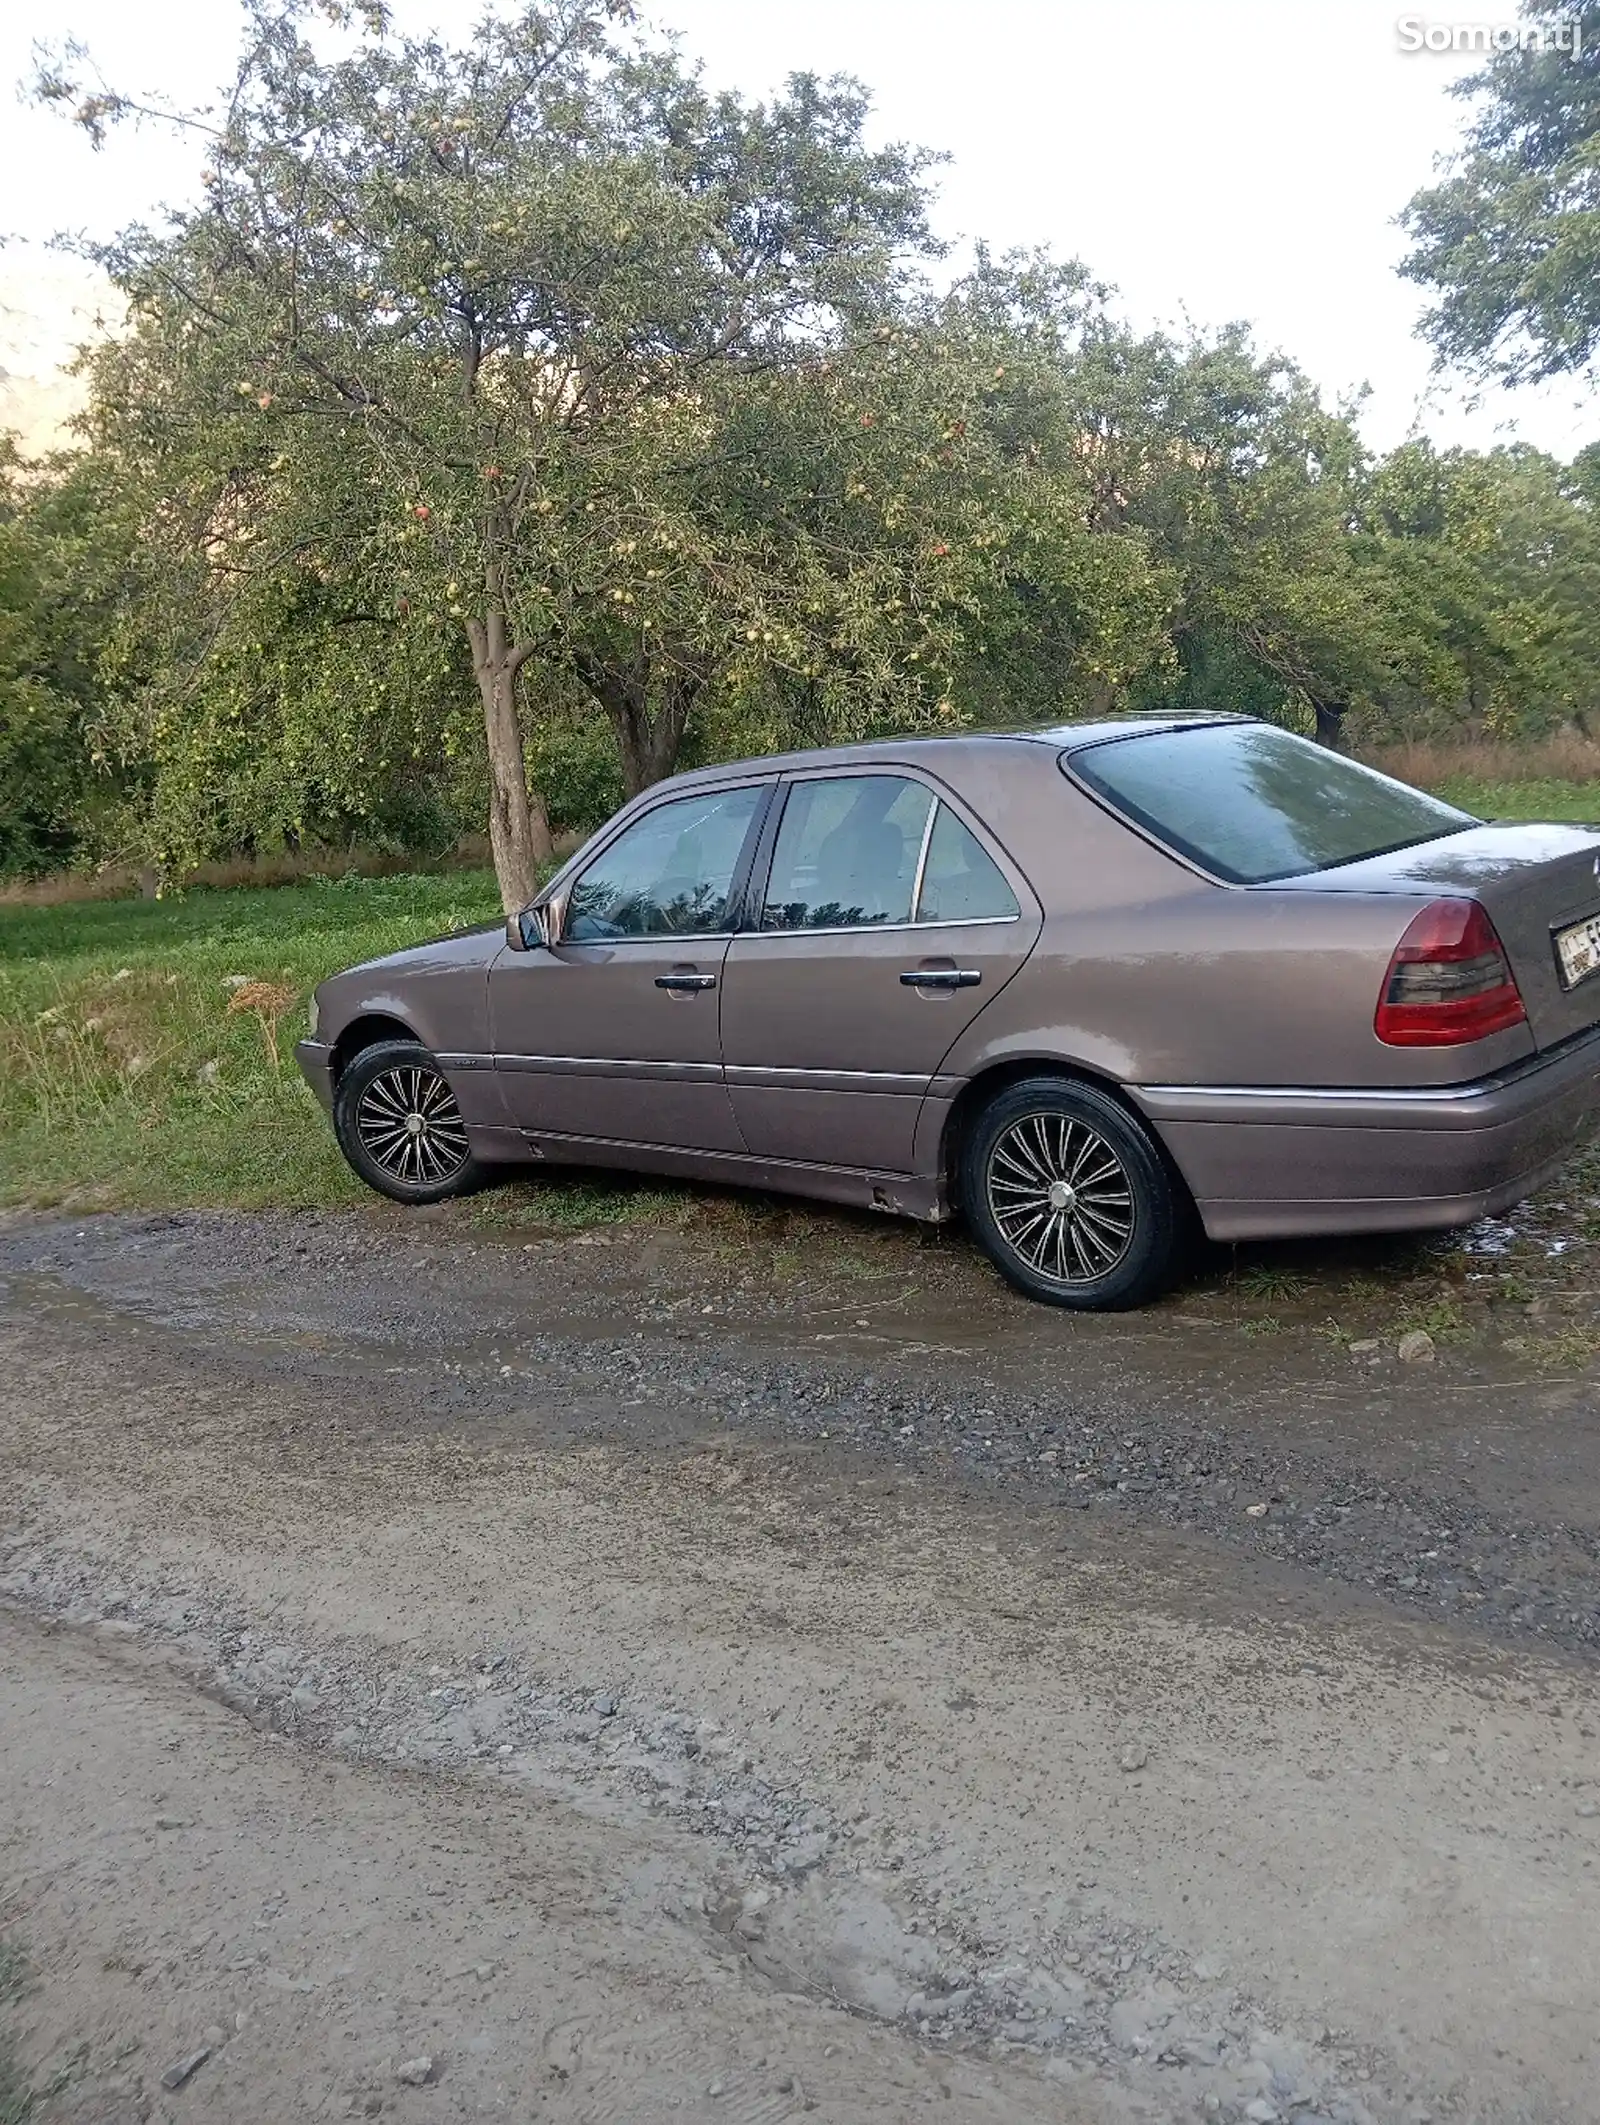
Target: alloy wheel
x: 410, y: 1126
x: 1061, y: 1198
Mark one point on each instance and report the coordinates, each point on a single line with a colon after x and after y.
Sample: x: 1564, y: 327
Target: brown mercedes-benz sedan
x: 1077, y: 984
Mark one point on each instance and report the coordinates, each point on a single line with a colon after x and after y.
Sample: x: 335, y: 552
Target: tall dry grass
x: 125, y: 881
x: 1565, y: 757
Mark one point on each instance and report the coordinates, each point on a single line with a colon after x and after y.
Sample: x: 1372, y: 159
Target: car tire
x: 1068, y: 1197
x: 399, y: 1127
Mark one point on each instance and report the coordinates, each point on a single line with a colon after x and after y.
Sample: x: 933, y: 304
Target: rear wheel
x: 1068, y: 1197
x: 398, y: 1124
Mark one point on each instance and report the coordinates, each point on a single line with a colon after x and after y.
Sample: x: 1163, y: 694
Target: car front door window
x: 670, y: 874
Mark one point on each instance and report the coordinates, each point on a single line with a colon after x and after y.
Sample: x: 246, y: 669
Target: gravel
x: 840, y: 1909
x: 1283, y: 1495
x: 1405, y: 1542
x: 1095, y: 1993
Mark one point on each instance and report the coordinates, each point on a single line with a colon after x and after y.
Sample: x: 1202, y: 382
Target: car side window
x: 667, y: 875
x: 846, y: 854
x: 961, y: 882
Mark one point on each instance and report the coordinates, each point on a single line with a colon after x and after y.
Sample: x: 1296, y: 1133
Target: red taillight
x: 1449, y: 981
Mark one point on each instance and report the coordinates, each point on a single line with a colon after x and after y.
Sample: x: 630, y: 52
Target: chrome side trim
x: 729, y: 1160
x: 582, y: 944
x: 779, y: 1077
x: 1576, y: 1052
x: 1333, y: 1096
x: 848, y: 929
x: 884, y: 929
x: 701, y: 1073
x: 758, y: 1075
x: 1506, y: 1097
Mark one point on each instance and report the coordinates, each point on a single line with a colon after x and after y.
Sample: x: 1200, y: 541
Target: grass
x: 1439, y: 1317
x: 581, y: 1205
x: 130, y: 1078
x: 125, y: 1078
x: 1268, y: 1281
x: 1558, y: 778
x: 1575, y: 802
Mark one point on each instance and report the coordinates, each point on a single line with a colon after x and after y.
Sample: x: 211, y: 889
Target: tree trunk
x: 629, y: 709
x: 519, y: 827
x: 648, y: 744
x: 1330, y: 717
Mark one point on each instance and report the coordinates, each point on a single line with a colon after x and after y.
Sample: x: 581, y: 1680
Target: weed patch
x: 1441, y: 1318
x: 146, y: 1046
x: 1272, y: 1284
x: 146, y: 1056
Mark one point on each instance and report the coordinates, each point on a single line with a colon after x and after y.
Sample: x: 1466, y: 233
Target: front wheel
x: 398, y: 1124
x: 1068, y: 1197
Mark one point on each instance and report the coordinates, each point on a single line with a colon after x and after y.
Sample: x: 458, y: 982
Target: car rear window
x: 1249, y: 802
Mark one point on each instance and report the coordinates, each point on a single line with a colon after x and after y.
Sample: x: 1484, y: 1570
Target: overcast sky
x: 1213, y: 159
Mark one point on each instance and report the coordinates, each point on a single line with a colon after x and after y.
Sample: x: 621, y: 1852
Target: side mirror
x: 536, y: 928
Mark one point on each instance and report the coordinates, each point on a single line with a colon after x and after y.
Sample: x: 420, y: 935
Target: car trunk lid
x: 1532, y: 881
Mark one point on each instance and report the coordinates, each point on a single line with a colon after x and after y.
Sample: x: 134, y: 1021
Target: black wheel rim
x: 410, y: 1126
x: 1061, y: 1198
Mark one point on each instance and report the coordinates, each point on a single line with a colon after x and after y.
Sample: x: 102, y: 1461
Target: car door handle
x: 686, y: 981
x: 941, y: 978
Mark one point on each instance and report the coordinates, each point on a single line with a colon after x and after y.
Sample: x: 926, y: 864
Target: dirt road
x: 627, y: 1681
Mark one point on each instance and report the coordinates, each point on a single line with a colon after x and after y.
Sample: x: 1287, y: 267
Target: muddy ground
x: 768, y: 1671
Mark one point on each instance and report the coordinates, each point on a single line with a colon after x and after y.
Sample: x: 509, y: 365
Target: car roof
x: 1072, y: 736
x: 926, y: 747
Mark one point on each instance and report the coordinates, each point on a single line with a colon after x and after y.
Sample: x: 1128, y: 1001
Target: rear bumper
x: 316, y: 1061
x: 1269, y: 1162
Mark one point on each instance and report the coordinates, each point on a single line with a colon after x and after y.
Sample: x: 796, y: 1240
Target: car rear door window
x: 961, y: 882
x: 1249, y: 802
x: 669, y: 874
x: 847, y: 853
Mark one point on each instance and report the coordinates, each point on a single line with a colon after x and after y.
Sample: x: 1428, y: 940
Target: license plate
x: 1578, y: 950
